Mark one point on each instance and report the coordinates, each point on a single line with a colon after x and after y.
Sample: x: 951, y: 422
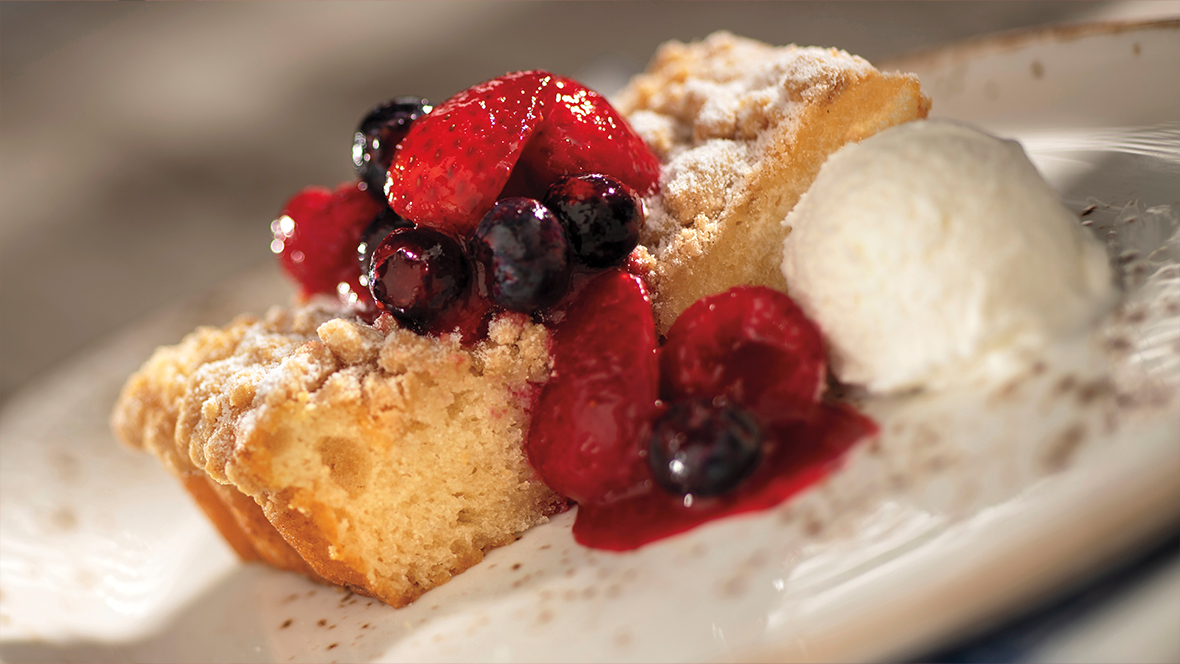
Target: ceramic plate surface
x: 972, y: 501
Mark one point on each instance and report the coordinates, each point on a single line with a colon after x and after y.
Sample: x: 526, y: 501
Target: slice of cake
x: 372, y: 457
x: 374, y: 439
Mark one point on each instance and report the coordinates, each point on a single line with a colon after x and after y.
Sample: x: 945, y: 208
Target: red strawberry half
x: 514, y: 135
x: 583, y: 133
x: 592, y: 422
x: 454, y: 162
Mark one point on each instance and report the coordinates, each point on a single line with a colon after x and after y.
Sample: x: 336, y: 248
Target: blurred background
x: 147, y: 146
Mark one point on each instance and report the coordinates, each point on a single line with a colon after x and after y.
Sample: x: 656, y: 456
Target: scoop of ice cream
x: 932, y: 251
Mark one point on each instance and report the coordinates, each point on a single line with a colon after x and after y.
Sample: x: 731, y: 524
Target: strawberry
x: 592, y: 422
x: 317, y: 233
x: 453, y: 163
x: 511, y: 136
x: 750, y: 344
x: 583, y: 133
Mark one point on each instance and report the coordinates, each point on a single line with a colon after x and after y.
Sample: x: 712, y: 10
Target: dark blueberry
x: 377, y: 136
x: 416, y: 273
x: 704, y: 449
x: 521, y: 254
x: 601, y: 215
x: 383, y: 224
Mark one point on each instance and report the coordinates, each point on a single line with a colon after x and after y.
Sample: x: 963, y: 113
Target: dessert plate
x: 971, y: 502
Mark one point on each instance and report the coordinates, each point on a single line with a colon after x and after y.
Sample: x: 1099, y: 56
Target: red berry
x: 752, y: 345
x: 583, y: 133
x: 454, y: 162
x: 317, y: 233
x: 592, y: 422
x: 514, y: 135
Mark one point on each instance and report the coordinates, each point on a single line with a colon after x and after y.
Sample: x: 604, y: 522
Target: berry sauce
x: 816, y: 448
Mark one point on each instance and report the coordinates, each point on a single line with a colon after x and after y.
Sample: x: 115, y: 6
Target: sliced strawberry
x: 454, y: 162
x: 511, y: 136
x: 750, y: 344
x: 592, y: 422
x: 317, y: 233
x: 583, y: 133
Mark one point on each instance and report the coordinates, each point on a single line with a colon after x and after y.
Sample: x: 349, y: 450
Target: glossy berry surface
x: 795, y: 457
x: 316, y: 236
x: 521, y: 255
x: 514, y: 136
x: 601, y: 216
x: 377, y: 138
x: 452, y: 165
x: 703, y: 448
x: 416, y: 274
x: 751, y: 345
x: 583, y: 133
x: 593, y: 418
x: 382, y: 225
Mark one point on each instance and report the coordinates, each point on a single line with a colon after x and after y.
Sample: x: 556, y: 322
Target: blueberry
x: 601, y: 216
x: 704, y: 449
x: 383, y: 224
x: 521, y: 255
x: 416, y: 273
x: 378, y: 134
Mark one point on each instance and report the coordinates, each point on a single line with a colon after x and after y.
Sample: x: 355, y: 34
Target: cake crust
x: 366, y: 456
x: 742, y: 129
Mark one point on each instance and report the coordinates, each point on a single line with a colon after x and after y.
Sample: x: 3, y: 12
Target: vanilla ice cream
x: 932, y: 251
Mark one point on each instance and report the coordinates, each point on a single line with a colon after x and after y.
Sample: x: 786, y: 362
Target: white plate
x: 985, y: 499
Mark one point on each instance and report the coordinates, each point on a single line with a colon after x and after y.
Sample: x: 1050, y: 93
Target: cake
x: 742, y: 129
x: 387, y: 457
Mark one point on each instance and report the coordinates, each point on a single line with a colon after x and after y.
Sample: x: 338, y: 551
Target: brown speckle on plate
x: 63, y: 518
x: 733, y: 587
x: 1061, y: 450
x: 1089, y: 392
x: 623, y: 638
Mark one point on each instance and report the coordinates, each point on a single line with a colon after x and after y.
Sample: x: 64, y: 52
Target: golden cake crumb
x: 388, y: 461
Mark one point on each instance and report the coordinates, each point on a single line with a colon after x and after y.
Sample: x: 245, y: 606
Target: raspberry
x: 752, y: 345
x: 317, y: 233
x: 593, y: 419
